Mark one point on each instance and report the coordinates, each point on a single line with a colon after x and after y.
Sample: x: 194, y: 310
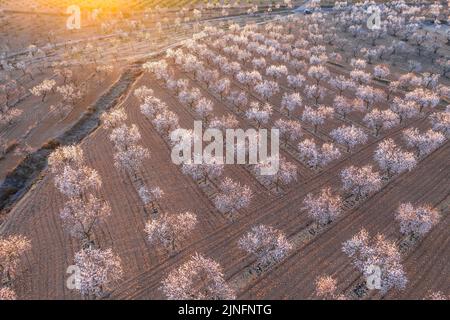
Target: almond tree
x: 249, y: 79
x: 12, y: 248
x: 290, y: 130
x: 203, y: 171
x: 378, y: 120
x: 381, y: 71
x: 276, y: 72
x: 63, y: 156
x: 423, y: 143
x: 369, y: 95
x: 199, y: 278
x: 326, y: 287
x: 268, y: 244
x: 80, y: 216
x: 260, y: 114
x: 190, y: 97
x: 43, y: 89
x: 441, y: 121
x: 114, y: 118
x: 124, y: 137
x: 416, y: 221
x: 150, y: 196
x: 317, y: 116
x: 437, y: 296
x: 223, y: 123
x: 295, y: 81
x: 153, y: 106
x: 7, y: 293
x: 361, y: 77
x: 315, y: 92
x: 69, y: 93
x: 259, y: 63
x: 315, y: 156
x: 350, y: 136
x: 366, y: 253
x: 323, y: 208
x: 170, y: 230
x: 290, y: 102
x: 165, y: 122
x: 143, y: 92
x: 286, y: 174
x: 222, y: 87
x: 424, y: 98
x: 393, y: 159
x: 99, y: 270
x: 405, y: 109
x: 233, y: 197
x: 204, y: 109
x: 158, y: 68
x: 343, y: 106
x: 360, y: 181
x: 131, y: 159
x: 318, y: 73
x: 266, y: 89
x: 341, y: 83
x: 74, y: 182
x: 238, y: 99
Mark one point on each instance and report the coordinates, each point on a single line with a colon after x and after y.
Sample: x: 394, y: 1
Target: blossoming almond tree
x: 71, y: 155
x: 7, y: 293
x: 266, y: 89
x: 143, y: 92
x: 341, y: 83
x: 393, y: 159
x: 326, y: 287
x: 405, y: 109
x: 268, y: 244
x: 223, y: 123
x: 290, y: 130
x: 204, y: 109
x: 43, y: 89
x: 416, y: 221
x: 423, y: 143
x: 99, y: 271
x: 360, y: 181
x: 317, y: 116
x: 367, y: 252
x: 258, y: 113
x: 350, y: 136
x: 318, y: 156
x: 286, y: 174
x: 203, y: 172
x: 199, y: 278
x: 233, y: 197
x: 441, y: 121
x: 150, y: 196
x: 170, y: 230
x: 114, y: 118
x: 424, y: 98
x: 290, y: 102
x: 323, y: 208
x: 343, y: 106
x: 12, y: 248
x: 80, y: 216
x: 378, y: 120
x: 75, y: 182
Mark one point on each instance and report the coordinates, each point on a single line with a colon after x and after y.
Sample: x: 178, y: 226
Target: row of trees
x: 84, y: 212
